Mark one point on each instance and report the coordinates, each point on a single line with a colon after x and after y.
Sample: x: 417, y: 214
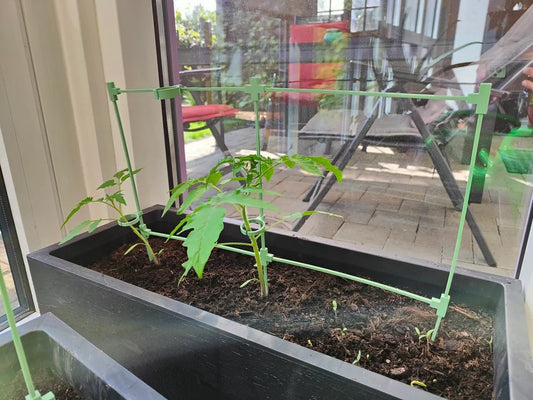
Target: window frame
x: 16, y: 261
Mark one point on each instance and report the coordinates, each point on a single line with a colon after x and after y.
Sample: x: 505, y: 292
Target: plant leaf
x: 75, y: 231
x: 110, y: 182
x: 288, y: 161
x: 307, y: 164
x: 177, y: 192
x: 85, y: 201
x: 178, y: 226
x: 239, y: 198
x: 248, y: 281
x: 214, y: 177
x: 120, y: 173
x: 193, y: 196
x: 260, y: 191
x: 127, y: 175
x: 132, y: 247
x: 119, y: 197
x: 94, y: 225
x: 205, y: 224
x: 328, y: 166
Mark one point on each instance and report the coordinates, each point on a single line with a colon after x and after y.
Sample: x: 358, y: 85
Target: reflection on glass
x: 8, y: 278
x: 402, y: 183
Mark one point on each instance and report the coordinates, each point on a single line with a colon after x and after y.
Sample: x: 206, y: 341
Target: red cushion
x: 314, y: 33
x: 207, y: 112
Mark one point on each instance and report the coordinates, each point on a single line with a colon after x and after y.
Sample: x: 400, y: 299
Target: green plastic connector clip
x: 113, y: 91
x: 265, y: 257
x: 255, y: 89
x: 37, y: 396
x: 481, y: 98
x: 168, y: 92
x: 145, y: 231
x: 441, y: 305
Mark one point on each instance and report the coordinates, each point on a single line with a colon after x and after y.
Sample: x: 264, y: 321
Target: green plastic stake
x: 32, y: 393
x: 113, y: 95
x: 481, y: 100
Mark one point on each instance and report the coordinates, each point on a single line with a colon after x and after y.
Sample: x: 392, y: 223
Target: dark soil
x: 371, y: 327
x: 44, y: 381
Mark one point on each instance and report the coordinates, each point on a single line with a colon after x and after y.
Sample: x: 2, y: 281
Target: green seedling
x: 426, y: 335
x: 489, y: 342
x: 116, y: 202
x: 418, y: 383
x: 358, y: 358
x: 205, y: 222
x: 342, y: 331
x: 309, y: 343
x: 334, y: 303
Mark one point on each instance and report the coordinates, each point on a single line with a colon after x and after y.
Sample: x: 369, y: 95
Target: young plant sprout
x: 205, y: 222
x: 421, y: 335
x: 418, y: 383
x: 489, y: 342
x: 358, y: 358
x: 116, y: 202
x: 334, y: 303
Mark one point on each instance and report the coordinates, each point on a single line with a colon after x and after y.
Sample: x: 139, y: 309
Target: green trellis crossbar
x: 480, y: 100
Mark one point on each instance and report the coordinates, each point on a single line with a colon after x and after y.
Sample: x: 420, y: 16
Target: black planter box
x: 50, y: 345
x: 184, y: 352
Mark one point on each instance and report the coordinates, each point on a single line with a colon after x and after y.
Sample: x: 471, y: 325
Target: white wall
x: 58, y: 128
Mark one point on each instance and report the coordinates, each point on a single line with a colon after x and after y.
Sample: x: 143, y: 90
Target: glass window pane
x: 8, y: 278
x: 430, y: 18
x: 398, y: 194
x: 11, y: 264
x: 411, y: 13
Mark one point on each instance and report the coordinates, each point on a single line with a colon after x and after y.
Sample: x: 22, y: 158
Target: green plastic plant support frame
x: 255, y: 89
x: 33, y: 394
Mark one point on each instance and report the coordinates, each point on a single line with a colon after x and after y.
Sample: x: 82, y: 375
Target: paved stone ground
x: 395, y: 202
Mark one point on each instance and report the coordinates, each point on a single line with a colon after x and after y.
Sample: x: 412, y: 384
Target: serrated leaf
x: 288, y: 161
x: 110, y: 182
x: 268, y: 173
x: 206, y: 225
x: 245, y: 200
x: 119, y: 197
x: 94, y: 225
x: 297, y: 215
x: 193, y: 196
x: 127, y: 175
x: 307, y: 164
x: 75, y: 231
x: 261, y: 191
x: 177, y: 192
x: 225, y: 160
x: 328, y: 166
x: 237, y: 167
x: 120, y: 173
x: 214, y: 178
x: 85, y: 201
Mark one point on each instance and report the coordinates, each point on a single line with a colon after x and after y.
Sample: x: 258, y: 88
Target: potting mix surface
x: 353, y: 322
x: 44, y: 381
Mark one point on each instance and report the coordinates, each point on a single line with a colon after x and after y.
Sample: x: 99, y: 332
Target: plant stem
x: 147, y: 244
x: 263, y: 283
x: 138, y: 234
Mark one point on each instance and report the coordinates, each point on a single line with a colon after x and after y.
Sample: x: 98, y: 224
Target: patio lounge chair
x: 200, y: 116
